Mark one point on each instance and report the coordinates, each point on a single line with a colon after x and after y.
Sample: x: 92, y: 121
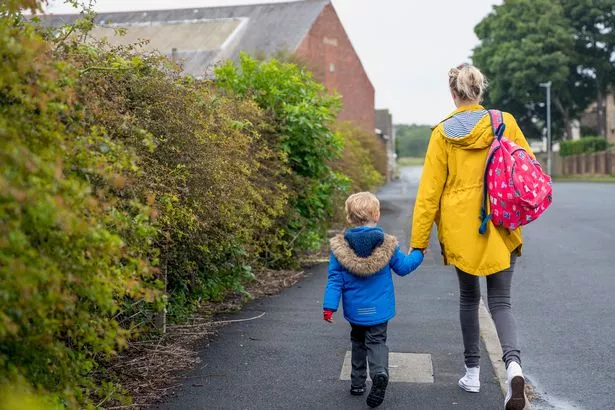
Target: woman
x: 450, y: 194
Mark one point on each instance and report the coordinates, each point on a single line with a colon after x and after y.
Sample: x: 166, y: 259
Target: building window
x: 331, y: 67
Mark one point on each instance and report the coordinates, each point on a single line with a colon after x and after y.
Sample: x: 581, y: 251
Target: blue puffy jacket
x: 360, y: 273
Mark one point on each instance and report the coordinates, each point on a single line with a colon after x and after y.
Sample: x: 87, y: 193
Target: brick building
x: 200, y: 38
x: 334, y: 61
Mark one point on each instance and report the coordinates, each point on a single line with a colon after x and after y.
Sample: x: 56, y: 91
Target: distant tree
x: 412, y: 140
x: 524, y: 43
x: 593, y: 22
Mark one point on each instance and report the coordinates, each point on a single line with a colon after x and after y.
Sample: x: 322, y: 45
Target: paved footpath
x: 291, y: 359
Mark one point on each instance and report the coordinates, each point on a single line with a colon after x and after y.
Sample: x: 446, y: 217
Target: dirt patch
x: 151, y: 369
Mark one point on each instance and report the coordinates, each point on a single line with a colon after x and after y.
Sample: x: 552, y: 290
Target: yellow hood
x: 468, y: 127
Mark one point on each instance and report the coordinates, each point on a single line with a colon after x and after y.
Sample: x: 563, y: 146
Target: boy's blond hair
x: 362, y: 208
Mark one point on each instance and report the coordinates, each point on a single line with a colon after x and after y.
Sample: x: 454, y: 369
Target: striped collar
x: 463, y: 120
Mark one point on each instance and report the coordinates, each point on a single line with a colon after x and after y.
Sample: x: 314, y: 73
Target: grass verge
x: 410, y: 161
x: 585, y: 178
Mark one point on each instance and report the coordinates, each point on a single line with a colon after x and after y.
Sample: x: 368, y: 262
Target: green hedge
x: 125, y: 187
x: 583, y: 146
x: 303, y: 113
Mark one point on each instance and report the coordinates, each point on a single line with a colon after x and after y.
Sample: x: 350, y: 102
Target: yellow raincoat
x: 451, y: 193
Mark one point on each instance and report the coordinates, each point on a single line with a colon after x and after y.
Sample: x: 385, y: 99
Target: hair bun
x: 467, y: 82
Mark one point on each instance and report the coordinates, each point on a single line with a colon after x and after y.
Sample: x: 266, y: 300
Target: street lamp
x: 547, y: 85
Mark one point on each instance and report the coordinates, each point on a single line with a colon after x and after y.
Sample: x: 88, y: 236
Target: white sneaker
x: 515, y: 399
x: 471, y: 381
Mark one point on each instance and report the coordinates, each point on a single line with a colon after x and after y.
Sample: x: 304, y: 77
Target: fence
x: 595, y: 163
x: 556, y: 162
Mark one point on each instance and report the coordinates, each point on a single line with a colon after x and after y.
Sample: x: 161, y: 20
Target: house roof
x: 203, y: 37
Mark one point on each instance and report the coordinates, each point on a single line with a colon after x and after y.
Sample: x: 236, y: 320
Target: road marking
x: 490, y: 337
x: 403, y: 367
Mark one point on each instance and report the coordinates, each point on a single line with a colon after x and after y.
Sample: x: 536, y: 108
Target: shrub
x: 65, y: 265
x: 120, y: 179
x: 364, y: 158
x: 216, y: 182
x: 583, y: 146
x: 302, y: 113
x: 18, y: 395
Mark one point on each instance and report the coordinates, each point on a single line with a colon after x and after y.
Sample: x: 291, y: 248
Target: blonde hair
x: 467, y: 82
x: 362, y: 208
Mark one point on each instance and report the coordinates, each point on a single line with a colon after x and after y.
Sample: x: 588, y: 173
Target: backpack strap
x: 497, y: 123
x: 498, y: 127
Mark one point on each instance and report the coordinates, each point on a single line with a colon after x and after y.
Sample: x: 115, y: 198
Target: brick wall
x: 596, y: 163
x: 328, y: 52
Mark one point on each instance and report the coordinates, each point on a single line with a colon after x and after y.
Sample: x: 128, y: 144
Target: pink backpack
x: 516, y: 190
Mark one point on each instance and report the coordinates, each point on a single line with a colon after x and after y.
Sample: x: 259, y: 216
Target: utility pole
x: 547, y: 85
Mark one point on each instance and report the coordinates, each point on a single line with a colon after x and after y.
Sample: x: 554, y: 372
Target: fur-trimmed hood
x: 364, y: 251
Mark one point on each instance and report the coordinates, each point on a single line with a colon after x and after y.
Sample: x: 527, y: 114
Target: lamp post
x: 547, y: 85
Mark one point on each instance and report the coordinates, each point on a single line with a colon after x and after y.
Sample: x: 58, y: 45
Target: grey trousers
x: 498, y: 299
x: 368, y: 345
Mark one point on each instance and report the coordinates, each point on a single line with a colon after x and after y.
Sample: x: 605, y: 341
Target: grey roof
x: 255, y: 29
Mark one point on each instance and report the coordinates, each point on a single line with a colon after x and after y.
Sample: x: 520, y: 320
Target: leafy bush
x: 121, y: 179
x: 65, y: 264
x: 583, y: 146
x: 215, y: 181
x: 302, y: 113
x: 364, y: 159
x: 19, y: 395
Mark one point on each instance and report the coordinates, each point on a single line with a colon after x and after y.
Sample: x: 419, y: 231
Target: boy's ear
x: 377, y: 216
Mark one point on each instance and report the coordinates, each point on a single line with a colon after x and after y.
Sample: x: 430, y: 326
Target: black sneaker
x: 357, y: 391
x: 379, y: 387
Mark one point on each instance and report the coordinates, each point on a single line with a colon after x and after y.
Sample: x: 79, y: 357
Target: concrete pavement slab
x: 403, y: 367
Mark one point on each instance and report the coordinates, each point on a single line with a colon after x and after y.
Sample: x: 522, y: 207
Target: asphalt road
x: 565, y: 298
x: 291, y: 358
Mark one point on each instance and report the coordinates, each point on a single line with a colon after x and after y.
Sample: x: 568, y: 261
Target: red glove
x: 328, y: 315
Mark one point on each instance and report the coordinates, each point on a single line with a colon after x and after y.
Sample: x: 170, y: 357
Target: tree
x: 412, y: 140
x: 525, y: 43
x: 593, y: 22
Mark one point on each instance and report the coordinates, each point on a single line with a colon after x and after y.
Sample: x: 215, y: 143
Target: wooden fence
x: 595, y: 163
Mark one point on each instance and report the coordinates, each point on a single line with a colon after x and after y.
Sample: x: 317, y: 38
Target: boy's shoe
x: 471, y: 381
x: 515, y: 399
x: 379, y: 387
x: 357, y: 391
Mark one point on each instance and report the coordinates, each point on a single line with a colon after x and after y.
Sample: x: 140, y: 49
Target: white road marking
x: 403, y: 368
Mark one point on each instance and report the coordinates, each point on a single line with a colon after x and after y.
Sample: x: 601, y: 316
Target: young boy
x: 360, y: 272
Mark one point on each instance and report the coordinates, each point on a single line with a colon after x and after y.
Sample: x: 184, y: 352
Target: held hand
x: 327, y: 315
x: 422, y: 250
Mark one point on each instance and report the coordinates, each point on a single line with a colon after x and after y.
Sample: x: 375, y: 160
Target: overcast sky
x: 407, y: 46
